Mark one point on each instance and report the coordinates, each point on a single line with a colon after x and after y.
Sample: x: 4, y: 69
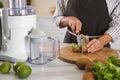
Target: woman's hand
x: 72, y: 22
x: 97, y: 44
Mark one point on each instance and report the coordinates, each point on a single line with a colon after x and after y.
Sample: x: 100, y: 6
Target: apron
x: 92, y: 13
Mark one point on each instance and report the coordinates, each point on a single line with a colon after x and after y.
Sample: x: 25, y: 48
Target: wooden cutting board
x: 66, y: 54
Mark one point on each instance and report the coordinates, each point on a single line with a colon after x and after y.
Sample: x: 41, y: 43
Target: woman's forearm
x: 64, y: 22
x: 105, y: 39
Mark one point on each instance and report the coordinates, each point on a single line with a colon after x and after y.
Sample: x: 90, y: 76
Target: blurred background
x: 43, y: 7
x: 45, y: 10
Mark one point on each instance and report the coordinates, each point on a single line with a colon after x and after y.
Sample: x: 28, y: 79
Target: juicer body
x: 17, y: 23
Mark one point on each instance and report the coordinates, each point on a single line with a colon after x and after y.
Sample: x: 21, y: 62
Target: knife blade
x: 79, y: 35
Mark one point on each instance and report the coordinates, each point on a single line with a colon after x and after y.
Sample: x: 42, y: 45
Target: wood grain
x: 66, y: 54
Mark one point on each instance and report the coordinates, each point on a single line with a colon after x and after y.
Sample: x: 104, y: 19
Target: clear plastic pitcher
x: 43, y: 49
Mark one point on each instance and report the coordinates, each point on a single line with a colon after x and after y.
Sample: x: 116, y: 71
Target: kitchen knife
x: 82, y: 40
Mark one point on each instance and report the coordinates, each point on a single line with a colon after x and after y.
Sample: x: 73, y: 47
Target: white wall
x: 116, y: 44
x: 44, y: 7
x: 5, y: 3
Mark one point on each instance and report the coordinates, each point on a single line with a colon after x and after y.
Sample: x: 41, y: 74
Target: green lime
x: 16, y: 65
x: 24, y: 71
x: 5, y: 67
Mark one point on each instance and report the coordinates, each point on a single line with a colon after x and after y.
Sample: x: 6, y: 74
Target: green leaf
x: 108, y: 71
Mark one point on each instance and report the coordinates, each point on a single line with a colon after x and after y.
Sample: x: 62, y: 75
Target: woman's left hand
x: 95, y: 45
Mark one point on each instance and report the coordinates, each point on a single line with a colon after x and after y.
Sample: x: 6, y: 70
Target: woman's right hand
x: 72, y: 22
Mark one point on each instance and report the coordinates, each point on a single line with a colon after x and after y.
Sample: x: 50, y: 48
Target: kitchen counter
x: 54, y: 70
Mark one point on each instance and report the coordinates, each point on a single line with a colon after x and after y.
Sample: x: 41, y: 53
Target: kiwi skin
x: 88, y: 76
x: 84, y: 48
x: 81, y: 63
x: 89, y: 67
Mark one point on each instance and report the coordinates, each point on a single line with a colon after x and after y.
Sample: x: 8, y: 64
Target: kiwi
x: 89, y: 67
x: 88, y: 76
x: 84, y: 47
x: 75, y: 47
x: 81, y: 63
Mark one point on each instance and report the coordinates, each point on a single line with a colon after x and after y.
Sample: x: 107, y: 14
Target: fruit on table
x: 24, y: 71
x: 88, y: 76
x: 84, y: 47
x: 16, y: 65
x: 20, y: 68
x: 83, y: 61
x: 5, y: 67
x: 75, y: 47
x: 89, y: 66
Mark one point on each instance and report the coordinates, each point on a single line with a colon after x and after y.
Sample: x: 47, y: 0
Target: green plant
x: 1, y: 5
x: 108, y: 71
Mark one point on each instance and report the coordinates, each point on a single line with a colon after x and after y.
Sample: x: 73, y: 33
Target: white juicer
x: 17, y: 22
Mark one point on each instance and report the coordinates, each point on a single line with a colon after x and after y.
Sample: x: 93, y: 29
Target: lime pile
x: 20, y: 68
